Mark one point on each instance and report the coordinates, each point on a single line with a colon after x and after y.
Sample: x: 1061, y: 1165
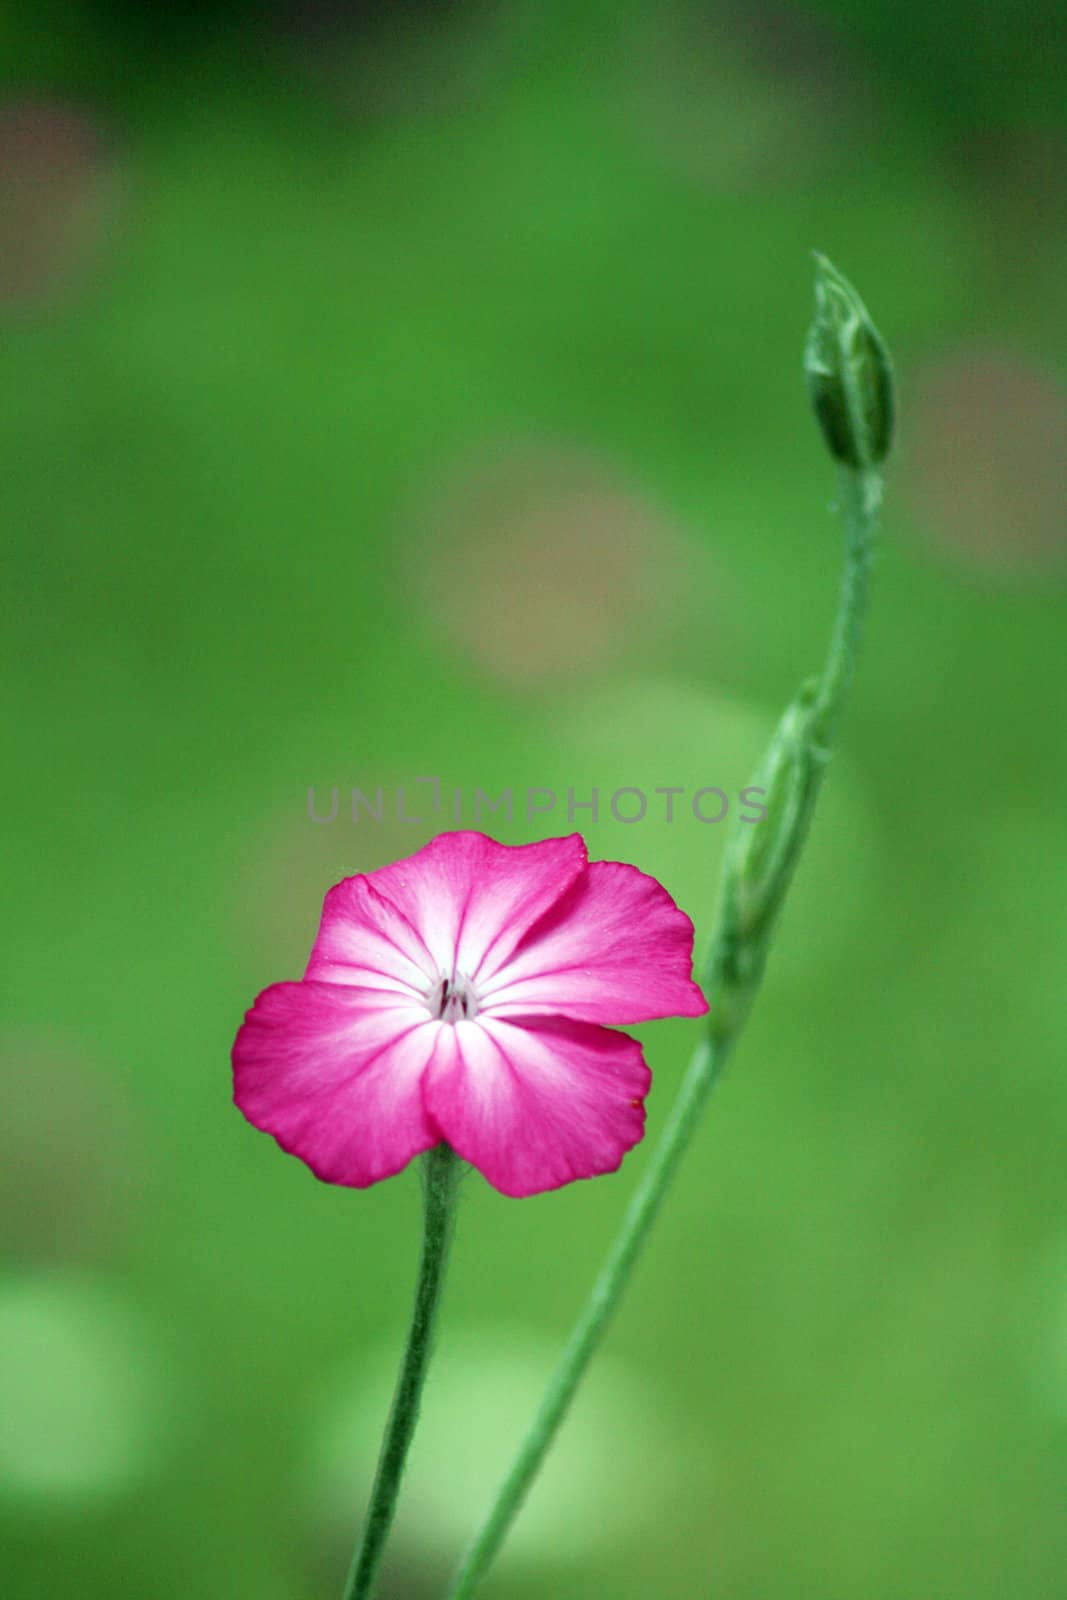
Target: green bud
x: 767, y: 849
x: 848, y: 371
x: 761, y: 856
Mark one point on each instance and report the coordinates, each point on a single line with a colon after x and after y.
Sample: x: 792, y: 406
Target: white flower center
x: 453, y: 999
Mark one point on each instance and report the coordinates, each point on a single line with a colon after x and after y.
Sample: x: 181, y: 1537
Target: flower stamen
x: 453, y: 999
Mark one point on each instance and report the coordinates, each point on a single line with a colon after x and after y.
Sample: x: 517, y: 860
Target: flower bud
x: 848, y: 371
x: 760, y: 860
x: 789, y: 776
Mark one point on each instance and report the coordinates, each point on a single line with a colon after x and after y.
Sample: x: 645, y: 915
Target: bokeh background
x: 414, y: 390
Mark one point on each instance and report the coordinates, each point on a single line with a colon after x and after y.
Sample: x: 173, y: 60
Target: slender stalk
x: 732, y: 976
x: 440, y: 1175
x: 861, y: 500
x: 587, y: 1331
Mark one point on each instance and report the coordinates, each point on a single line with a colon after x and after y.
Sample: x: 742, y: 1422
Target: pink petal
x: 364, y: 941
x: 334, y: 1075
x: 615, y: 948
x: 535, y: 1107
x: 461, y: 899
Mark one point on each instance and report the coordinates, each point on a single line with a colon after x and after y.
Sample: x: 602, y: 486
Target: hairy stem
x: 440, y: 1175
x: 861, y: 499
x: 587, y: 1331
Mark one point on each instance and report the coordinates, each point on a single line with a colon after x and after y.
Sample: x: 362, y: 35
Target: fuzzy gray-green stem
x: 440, y: 1176
x: 736, y: 960
x: 861, y: 502
x: 587, y: 1331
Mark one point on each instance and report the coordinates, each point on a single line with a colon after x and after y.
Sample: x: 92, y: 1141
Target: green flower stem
x: 588, y: 1330
x: 861, y: 501
x: 441, y: 1169
x: 736, y: 960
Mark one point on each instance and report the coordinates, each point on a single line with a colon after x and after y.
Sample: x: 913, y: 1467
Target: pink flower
x: 460, y: 995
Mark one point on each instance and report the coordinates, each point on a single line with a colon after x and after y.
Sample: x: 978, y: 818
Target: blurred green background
x: 400, y: 391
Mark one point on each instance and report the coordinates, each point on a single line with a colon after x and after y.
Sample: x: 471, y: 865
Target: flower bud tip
x: 848, y: 372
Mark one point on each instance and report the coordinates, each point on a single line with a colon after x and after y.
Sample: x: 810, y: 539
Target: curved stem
x: 605, y: 1295
x: 861, y: 499
x: 440, y: 1175
x: 730, y: 997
